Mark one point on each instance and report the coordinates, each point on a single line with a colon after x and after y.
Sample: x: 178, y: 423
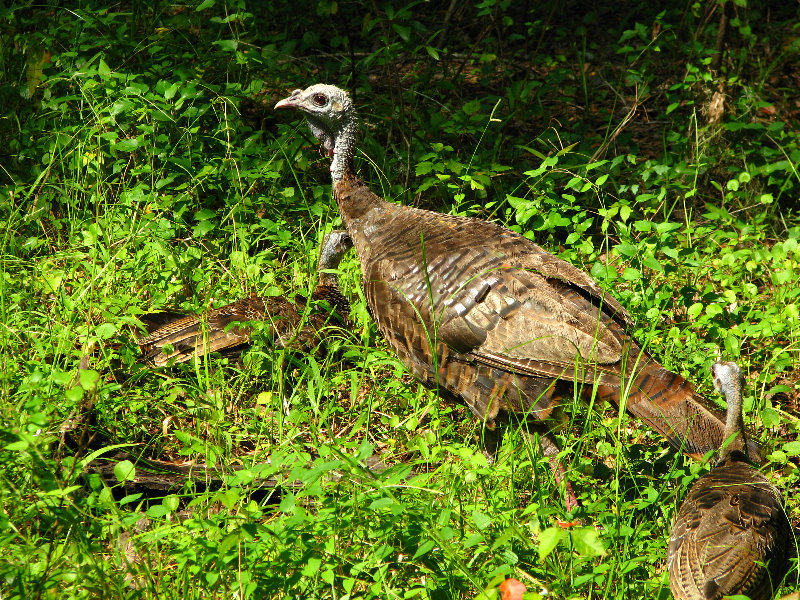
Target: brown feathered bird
x: 174, y: 340
x: 483, y: 315
x: 731, y: 535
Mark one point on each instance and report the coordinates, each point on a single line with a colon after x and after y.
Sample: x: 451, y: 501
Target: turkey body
x: 484, y: 315
x: 732, y: 521
x: 175, y: 340
x: 172, y: 339
x: 731, y: 535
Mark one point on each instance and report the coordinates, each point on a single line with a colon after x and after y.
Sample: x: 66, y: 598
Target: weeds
x: 140, y: 168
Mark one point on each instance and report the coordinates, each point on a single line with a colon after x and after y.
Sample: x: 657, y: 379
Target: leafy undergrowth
x: 142, y: 168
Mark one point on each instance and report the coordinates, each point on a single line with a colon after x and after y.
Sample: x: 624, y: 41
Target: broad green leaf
x: 17, y: 446
x: 61, y: 493
x: 792, y: 448
x: 549, y: 539
x: 171, y: 502
x: 770, y: 417
x: 380, y: 503
x: 202, y: 215
x: 227, y: 45
x: 87, y: 378
x: 587, y: 542
x: 423, y: 549
x: 628, y: 250
x: 202, y: 228
x: 631, y: 274
x: 156, y: 511
x: 128, y: 145
x: 695, y: 310
x: 778, y: 457
x: 312, y: 566
x: 124, y: 471
x: 229, y: 498
x: 105, y: 330
x: 481, y: 520
x: 651, y: 263
x: 170, y: 92
x: 288, y: 503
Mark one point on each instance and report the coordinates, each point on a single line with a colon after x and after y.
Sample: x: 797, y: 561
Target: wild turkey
x: 215, y: 331
x: 731, y: 535
x: 482, y: 314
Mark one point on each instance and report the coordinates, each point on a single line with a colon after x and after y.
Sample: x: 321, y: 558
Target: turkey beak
x: 292, y: 101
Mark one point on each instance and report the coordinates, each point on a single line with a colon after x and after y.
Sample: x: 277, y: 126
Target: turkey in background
x: 173, y: 339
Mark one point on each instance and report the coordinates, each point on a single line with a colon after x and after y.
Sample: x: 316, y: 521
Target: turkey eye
x: 319, y: 99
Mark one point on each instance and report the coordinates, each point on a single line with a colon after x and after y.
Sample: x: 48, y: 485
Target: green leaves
x: 124, y: 471
x: 143, y: 170
x: 128, y: 145
x: 227, y: 45
x: 585, y: 541
x: 549, y: 539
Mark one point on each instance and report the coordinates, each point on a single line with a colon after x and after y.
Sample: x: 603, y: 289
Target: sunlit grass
x: 131, y: 182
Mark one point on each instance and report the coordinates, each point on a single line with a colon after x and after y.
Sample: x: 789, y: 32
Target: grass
x: 140, y: 170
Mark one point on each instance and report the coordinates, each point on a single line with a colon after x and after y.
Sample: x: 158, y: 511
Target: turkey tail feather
x: 668, y: 403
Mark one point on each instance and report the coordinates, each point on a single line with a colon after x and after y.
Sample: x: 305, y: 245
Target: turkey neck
x: 734, y: 423
x: 363, y: 212
x: 344, y: 148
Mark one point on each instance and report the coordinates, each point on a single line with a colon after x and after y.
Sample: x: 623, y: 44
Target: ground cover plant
x: 142, y: 168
